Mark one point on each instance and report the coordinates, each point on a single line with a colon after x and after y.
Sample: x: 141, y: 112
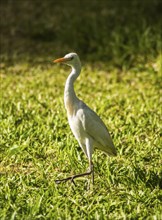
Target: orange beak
x: 60, y: 60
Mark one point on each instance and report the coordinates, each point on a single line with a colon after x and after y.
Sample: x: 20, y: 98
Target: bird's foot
x: 76, y: 176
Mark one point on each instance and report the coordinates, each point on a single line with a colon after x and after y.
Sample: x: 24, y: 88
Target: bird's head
x: 71, y: 59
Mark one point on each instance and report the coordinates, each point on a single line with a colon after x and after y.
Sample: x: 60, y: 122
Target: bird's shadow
x: 151, y: 179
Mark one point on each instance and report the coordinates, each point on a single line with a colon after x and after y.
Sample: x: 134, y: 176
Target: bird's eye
x: 71, y: 58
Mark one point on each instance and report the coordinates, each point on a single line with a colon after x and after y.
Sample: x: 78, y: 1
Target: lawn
x: 37, y: 146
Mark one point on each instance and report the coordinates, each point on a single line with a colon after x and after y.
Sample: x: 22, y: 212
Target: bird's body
x: 86, y: 125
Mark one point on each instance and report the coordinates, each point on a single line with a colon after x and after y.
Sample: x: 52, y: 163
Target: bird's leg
x: 91, y: 171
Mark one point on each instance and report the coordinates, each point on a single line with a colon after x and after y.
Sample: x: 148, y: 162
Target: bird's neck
x: 70, y: 98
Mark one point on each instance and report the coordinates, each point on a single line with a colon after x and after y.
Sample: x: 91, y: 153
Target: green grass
x: 119, y: 43
x: 38, y: 147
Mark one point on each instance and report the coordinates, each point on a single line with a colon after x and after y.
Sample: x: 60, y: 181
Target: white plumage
x: 86, y: 125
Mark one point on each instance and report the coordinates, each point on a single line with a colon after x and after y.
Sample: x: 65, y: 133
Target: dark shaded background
x: 115, y: 31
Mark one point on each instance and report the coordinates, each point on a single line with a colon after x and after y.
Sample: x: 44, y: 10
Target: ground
x: 120, y: 80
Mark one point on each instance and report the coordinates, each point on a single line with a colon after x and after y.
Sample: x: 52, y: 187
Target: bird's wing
x: 96, y: 129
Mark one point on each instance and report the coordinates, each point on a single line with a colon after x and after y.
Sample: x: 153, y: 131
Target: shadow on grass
x: 150, y: 178
x: 109, y: 31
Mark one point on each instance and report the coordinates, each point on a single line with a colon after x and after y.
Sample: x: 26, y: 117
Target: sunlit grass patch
x: 38, y: 147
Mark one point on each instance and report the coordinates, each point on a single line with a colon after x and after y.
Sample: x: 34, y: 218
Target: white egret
x: 86, y: 125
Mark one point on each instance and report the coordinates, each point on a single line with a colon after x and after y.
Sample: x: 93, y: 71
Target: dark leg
x: 91, y: 171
